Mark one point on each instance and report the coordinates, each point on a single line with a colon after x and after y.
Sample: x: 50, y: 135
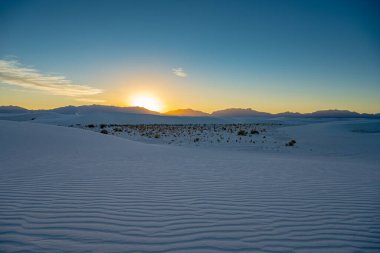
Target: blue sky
x: 268, y: 55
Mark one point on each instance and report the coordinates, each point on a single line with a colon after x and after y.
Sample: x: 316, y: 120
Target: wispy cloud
x: 179, y: 72
x: 14, y: 73
x: 90, y: 100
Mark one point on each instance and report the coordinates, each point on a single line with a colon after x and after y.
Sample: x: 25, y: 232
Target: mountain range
x: 231, y: 112
x: 187, y: 112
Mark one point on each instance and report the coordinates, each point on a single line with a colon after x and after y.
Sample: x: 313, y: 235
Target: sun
x: 147, y: 101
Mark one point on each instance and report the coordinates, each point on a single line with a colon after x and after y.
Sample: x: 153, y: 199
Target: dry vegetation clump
x: 242, y: 132
x: 118, y: 129
x: 254, y: 131
x: 291, y: 143
x: 182, y: 134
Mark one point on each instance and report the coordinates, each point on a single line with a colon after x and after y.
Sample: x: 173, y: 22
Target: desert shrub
x: 254, y: 131
x: 157, y: 136
x: 291, y: 143
x: 242, y: 132
x: 90, y: 126
x: 118, y: 129
x: 104, y: 131
x: 103, y: 126
x: 196, y: 139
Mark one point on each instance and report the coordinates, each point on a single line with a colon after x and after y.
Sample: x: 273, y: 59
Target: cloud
x: 90, y: 100
x: 179, y: 72
x: 14, y: 73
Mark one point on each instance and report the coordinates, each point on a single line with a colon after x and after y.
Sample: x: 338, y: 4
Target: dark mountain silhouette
x: 101, y: 108
x: 333, y: 114
x: 186, y: 112
x: 231, y: 112
x: 12, y: 109
x: 238, y: 112
x: 289, y: 114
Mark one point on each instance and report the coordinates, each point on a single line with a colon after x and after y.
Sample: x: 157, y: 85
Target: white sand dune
x: 105, y: 117
x: 354, y: 138
x: 71, y: 190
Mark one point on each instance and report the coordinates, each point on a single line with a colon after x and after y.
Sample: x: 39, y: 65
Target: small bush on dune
x: 242, y: 132
x: 254, y: 131
x: 90, y: 126
x: 291, y: 143
x: 104, y: 131
x: 103, y: 126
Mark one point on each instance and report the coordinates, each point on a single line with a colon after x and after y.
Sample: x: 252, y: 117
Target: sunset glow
x: 147, y: 101
x: 270, y: 57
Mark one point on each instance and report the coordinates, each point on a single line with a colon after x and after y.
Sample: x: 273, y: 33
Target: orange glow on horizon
x: 147, y: 101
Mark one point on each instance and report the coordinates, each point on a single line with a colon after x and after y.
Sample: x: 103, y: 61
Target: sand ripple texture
x: 70, y: 190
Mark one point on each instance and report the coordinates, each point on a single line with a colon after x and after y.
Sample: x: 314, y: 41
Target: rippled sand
x: 65, y: 189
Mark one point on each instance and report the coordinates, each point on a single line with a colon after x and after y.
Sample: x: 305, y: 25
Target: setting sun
x: 147, y: 101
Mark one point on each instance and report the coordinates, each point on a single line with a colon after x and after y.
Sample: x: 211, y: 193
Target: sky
x: 271, y: 56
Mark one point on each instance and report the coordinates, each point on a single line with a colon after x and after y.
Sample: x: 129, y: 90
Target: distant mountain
x: 325, y: 114
x: 231, y: 112
x: 101, y: 108
x: 334, y: 114
x: 288, y: 114
x: 238, y: 112
x: 12, y: 109
x: 187, y: 112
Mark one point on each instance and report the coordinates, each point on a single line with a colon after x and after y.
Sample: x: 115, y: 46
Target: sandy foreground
x: 74, y: 190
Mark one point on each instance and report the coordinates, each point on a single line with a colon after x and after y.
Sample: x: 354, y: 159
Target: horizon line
x: 229, y: 108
